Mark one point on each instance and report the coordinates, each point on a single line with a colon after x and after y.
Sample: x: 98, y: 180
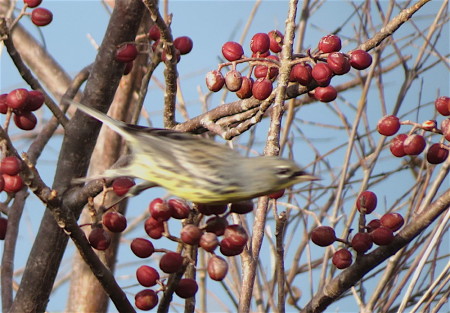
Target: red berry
x: 236, y: 235
x: 17, y: 99
x: 246, y: 88
x: 414, y: 144
x: 233, y: 80
x: 276, y: 41
x: 171, y: 262
x: 262, y: 88
x: 147, y: 276
x: 323, y: 236
x: 191, y: 234
x: 242, y: 207
x: 217, y: 225
x: 186, y: 288
x: 228, y: 248
x: 146, y: 299
x: 32, y: 3
x: 2, y: 183
x: 154, y: 33
x: 214, y: 80
x: 232, y: 51
x: 184, y: 44
x: 25, y: 120
x: 122, y: 185
x: 3, y: 103
x: 277, y: 195
x: 217, y: 268
x: 325, y: 94
x: 301, y: 73
x: 366, y: 202
x: 442, y: 105
x: 260, y: 43
x: 10, y: 165
x: 142, y: 248
x: 393, y: 221
x: 99, y: 239
x: 160, y: 210
x: 209, y: 241
x: 154, y: 228
x: 372, y: 225
x: 211, y: 209
x: 436, y: 154
x: 342, y: 258
x: 114, y: 221
x: 3, y: 227
x: 388, y: 125
x: 338, y: 63
x: 13, y: 183
x: 35, y: 100
x: 396, y: 145
x: 382, y: 236
x: 322, y: 74
x: 362, y: 242
x: 41, y: 17
x: 330, y: 43
x: 360, y: 59
x: 126, y: 53
x: 180, y: 209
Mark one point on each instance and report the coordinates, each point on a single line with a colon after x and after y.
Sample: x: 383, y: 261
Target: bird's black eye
x: 283, y: 171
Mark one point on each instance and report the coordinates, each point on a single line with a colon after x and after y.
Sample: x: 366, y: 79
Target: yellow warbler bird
x: 197, y: 169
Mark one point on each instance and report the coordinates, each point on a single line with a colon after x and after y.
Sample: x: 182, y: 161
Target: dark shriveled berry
x: 342, y: 258
x: 388, y: 125
x: 242, y: 207
x: 436, y: 154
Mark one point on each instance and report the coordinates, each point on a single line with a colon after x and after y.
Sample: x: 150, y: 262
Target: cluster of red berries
x: 234, y: 238
x: 413, y: 143
x: 127, y: 52
x: 22, y: 103
x: 39, y: 16
x: 307, y: 70
x: 11, y: 182
x: 378, y: 231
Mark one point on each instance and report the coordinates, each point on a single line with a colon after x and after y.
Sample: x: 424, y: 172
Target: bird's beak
x: 302, y: 176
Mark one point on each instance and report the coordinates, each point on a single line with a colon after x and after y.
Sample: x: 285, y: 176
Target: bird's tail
x: 117, y: 126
